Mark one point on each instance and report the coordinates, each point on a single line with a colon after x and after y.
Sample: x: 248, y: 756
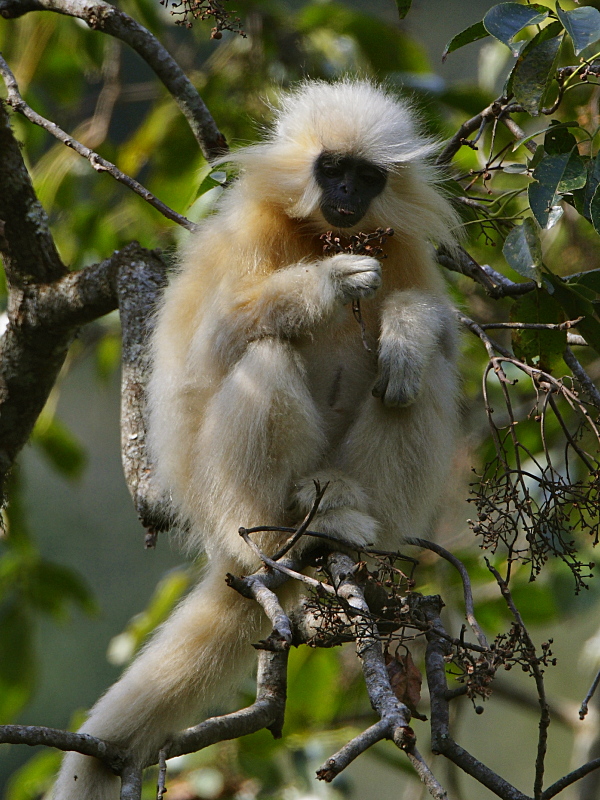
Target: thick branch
x: 139, y: 285
x: 266, y: 712
x: 466, y: 581
x: 32, y: 735
x: 30, y: 358
x: 105, y: 17
x: 441, y: 740
x: 26, y: 245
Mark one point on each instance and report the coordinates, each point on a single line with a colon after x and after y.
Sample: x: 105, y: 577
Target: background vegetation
x: 72, y: 566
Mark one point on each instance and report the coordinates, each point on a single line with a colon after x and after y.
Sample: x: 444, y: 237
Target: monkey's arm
x: 295, y: 300
x: 414, y: 325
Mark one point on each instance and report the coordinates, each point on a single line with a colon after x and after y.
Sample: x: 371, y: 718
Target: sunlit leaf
x: 523, y: 251
x: 582, y: 25
x: 505, y: 20
x: 515, y: 169
x: 168, y: 592
x: 35, y: 777
x: 534, y: 70
x: 471, y: 34
x: 108, y: 356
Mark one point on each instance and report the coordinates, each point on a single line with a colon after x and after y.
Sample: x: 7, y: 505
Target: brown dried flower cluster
x: 203, y: 10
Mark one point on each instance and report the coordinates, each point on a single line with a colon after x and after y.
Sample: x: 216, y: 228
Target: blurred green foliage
x: 533, y: 216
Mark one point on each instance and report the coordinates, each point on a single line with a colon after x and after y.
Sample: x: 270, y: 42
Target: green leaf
x: 582, y: 25
x: 534, y: 70
x: 108, y: 356
x: 576, y: 305
x: 552, y: 126
x: 553, y: 176
x: 595, y: 209
x: 17, y: 672
x: 471, y: 34
x: 403, y: 7
x: 523, y: 251
x: 51, y: 587
x: 590, y: 279
x: 35, y: 777
x: 61, y: 448
x: 559, y: 139
x: 515, y: 169
x: 505, y: 20
x: 593, y: 180
x: 539, y: 348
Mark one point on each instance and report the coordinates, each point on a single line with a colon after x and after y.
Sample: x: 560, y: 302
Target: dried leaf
x: 405, y: 680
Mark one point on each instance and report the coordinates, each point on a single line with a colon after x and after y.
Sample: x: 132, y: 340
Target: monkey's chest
x: 340, y: 373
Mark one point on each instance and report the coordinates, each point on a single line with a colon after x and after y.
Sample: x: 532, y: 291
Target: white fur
x: 262, y: 384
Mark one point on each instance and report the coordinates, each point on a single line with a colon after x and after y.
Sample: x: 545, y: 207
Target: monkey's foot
x: 342, y: 512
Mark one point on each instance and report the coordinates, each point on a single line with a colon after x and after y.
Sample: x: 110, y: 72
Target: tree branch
x: 15, y: 101
x: 139, y: 284
x: 111, y: 755
x: 466, y: 581
x: 107, y: 18
x: 441, y: 740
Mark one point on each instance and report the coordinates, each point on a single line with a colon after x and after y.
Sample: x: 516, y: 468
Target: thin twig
x: 466, y: 581
x: 319, y: 492
x: 355, y: 747
x: 531, y: 326
x: 161, y: 787
x: 544, y: 722
x: 582, y: 376
x: 291, y: 573
x: 584, y: 706
x: 433, y: 786
x: 15, y: 101
x: 103, y: 16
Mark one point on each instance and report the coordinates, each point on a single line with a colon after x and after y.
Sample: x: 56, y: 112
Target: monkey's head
x: 348, y: 156
x: 348, y: 185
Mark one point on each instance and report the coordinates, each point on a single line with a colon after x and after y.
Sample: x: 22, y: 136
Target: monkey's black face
x: 349, y: 184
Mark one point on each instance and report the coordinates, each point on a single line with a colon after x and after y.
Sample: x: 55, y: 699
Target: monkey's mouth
x: 342, y: 216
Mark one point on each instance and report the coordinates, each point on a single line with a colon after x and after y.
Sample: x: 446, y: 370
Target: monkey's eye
x: 371, y: 175
x: 331, y: 168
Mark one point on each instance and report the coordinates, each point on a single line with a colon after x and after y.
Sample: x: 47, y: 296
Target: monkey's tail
x: 195, y: 658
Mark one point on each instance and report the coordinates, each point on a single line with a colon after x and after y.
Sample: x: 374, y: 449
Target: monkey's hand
x: 399, y: 375
x: 354, y: 277
x: 414, y: 326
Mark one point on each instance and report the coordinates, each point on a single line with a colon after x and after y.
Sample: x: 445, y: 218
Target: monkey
x: 261, y: 385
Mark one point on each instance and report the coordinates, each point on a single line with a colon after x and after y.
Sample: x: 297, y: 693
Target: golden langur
x: 262, y: 384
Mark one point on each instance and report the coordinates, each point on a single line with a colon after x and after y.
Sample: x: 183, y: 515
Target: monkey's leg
x: 192, y: 662
x: 261, y: 430
x: 342, y: 512
x: 402, y: 456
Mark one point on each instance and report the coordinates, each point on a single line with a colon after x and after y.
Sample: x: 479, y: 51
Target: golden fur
x: 261, y: 384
